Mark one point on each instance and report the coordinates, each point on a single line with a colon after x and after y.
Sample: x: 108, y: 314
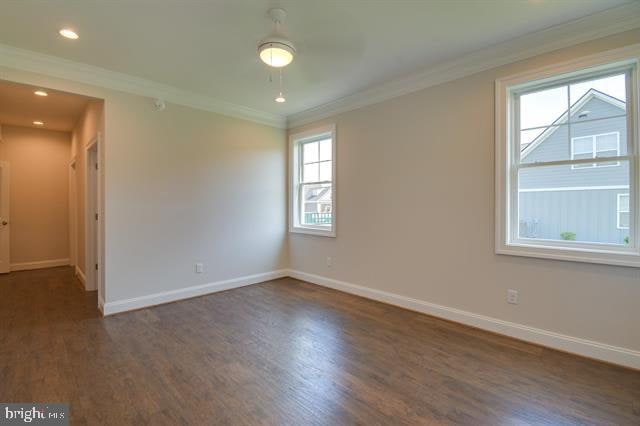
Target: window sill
x: 313, y: 231
x: 578, y: 254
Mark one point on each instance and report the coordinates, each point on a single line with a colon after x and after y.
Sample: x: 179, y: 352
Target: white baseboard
x: 110, y: 308
x: 41, y: 264
x: 575, y: 345
x: 81, y: 277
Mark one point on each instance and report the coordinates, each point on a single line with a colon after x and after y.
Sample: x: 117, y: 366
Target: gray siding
x: 557, y: 147
x: 591, y: 215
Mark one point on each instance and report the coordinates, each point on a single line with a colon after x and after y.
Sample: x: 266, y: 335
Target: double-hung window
x: 567, y: 161
x: 312, y: 163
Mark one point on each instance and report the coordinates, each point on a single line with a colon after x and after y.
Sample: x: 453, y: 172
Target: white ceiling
x: 20, y: 107
x: 344, y: 46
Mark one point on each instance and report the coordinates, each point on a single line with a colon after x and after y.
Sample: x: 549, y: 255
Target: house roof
x: 324, y: 194
x: 526, y: 149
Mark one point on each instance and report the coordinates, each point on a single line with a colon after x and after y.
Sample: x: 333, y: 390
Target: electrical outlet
x: 329, y: 261
x: 199, y: 268
x: 512, y: 296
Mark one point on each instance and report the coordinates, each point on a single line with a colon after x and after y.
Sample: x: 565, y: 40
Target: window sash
x: 318, y: 140
x: 515, y: 165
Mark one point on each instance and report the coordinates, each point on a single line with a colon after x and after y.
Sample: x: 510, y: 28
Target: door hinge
x: 96, y: 266
x: 96, y: 166
x: 96, y: 216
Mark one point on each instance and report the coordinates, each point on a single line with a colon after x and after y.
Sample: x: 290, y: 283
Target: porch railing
x: 318, y: 218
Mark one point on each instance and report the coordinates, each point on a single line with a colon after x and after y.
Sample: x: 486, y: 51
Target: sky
x: 544, y: 107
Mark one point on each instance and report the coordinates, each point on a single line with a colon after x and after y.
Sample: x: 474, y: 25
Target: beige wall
x: 422, y: 168
x: 86, y: 129
x: 186, y: 186
x: 39, y: 184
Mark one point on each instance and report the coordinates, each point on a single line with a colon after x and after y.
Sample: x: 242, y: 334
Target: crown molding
x: 602, y: 24
x: 26, y: 60
x: 608, y: 22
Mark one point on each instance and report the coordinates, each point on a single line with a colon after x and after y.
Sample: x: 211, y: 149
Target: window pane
x: 624, y: 220
x: 607, y: 142
x: 310, y: 172
x: 550, y: 144
x: 325, y: 170
x: 310, y: 152
x: 598, y: 98
x: 564, y: 203
x: 582, y: 146
x: 325, y: 150
x: 544, y: 107
x: 316, y: 205
x: 529, y: 136
x: 623, y: 203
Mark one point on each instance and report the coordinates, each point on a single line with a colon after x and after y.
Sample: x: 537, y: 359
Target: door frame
x: 73, y: 213
x: 93, y: 227
x: 5, y: 241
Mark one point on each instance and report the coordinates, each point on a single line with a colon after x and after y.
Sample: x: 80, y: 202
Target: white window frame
x: 507, y: 154
x: 296, y: 140
x: 594, y: 152
x: 618, y: 211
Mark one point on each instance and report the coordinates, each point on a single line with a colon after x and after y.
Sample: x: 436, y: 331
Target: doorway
x: 51, y: 140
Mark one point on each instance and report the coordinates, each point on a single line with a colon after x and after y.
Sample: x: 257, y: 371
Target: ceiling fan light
x: 276, y: 54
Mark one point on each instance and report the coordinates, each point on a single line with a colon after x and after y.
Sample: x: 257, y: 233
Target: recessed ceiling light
x: 69, y: 33
x: 38, y: 123
x: 41, y: 93
x: 280, y: 99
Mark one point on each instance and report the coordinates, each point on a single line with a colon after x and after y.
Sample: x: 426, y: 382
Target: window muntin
x: 312, y: 208
x: 623, y: 211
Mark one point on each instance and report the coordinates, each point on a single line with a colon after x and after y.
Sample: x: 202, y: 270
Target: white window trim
x: 505, y: 150
x: 594, y: 152
x: 618, y: 211
x: 295, y: 140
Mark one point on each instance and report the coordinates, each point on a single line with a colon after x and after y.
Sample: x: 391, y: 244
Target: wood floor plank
x: 286, y: 352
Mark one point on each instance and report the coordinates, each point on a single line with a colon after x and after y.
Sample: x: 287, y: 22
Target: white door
x: 5, y: 223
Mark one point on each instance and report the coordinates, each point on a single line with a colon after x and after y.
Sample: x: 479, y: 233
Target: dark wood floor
x: 286, y: 352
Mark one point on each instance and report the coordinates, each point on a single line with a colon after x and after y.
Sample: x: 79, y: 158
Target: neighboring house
x: 317, y: 205
x: 588, y: 200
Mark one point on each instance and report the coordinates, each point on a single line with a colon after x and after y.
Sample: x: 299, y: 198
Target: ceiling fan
x: 276, y: 50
